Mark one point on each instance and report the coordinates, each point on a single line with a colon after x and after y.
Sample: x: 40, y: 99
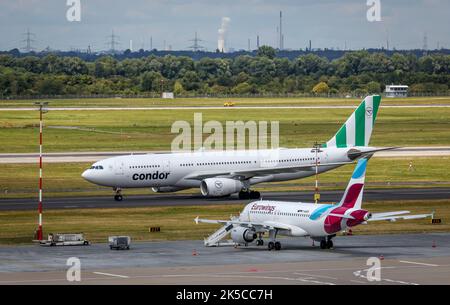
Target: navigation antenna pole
x: 42, y: 109
x: 317, y: 151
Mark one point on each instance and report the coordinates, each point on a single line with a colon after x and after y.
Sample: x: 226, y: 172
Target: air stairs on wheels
x: 214, y: 239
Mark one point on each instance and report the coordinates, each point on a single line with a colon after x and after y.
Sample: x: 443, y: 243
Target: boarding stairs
x: 214, y: 240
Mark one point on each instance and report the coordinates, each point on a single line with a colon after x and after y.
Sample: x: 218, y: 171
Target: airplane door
x: 119, y: 168
x: 323, y: 157
x: 166, y: 166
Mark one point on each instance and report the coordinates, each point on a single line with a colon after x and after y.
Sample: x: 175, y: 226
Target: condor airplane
x: 320, y: 222
x: 223, y: 173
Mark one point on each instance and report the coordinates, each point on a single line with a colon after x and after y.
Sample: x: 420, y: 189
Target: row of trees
x: 359, y: 71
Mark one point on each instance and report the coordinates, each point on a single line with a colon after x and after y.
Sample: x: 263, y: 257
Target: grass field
x: 267, y: 101
x: 64, y: 179
x: 151, y: 130
x: 17, y: 227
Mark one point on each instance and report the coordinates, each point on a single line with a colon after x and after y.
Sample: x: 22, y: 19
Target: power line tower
x: 113, y: 42
x: 425, y: 44
x: 281, y: 39
x: 28, y: 41
x: 196, y: 46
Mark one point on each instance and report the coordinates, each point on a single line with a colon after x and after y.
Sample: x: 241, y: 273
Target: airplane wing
x: 266, y: 225
x: 393, y: 216
x: 249, y: 173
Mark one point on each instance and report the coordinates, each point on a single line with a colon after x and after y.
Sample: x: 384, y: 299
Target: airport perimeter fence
x: 193, y: 95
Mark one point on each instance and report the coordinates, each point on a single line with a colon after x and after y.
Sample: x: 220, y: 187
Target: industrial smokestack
x: 222, y: 34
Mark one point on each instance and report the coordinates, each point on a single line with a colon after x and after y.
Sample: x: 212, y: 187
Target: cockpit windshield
x: 96, y: 167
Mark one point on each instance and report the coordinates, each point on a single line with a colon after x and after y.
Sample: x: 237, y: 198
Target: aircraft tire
x: 255, y: 195
x: 244, y: 195
x: 329, y: 244
x: 271, y: 245
x: 278, y: 246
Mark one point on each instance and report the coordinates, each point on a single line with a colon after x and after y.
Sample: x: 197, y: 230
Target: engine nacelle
x: 216, y: 187
x: 243, y: 235
x: 166, y: 189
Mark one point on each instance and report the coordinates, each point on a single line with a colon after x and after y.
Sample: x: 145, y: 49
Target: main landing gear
x: 118, y: 196
x: 260, y: 241
x: 273, y: 245
x: 326, y: 243
x: 249, y: 195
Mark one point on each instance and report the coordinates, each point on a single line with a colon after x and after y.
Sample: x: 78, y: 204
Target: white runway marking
x: 113, y: 275
x: 417, y: 263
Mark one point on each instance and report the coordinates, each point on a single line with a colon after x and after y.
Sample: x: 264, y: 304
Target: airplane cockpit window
x: 96, y: 167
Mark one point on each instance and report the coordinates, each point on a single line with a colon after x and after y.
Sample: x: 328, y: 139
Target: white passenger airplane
x: 320, y: 222
x: 224, y: 173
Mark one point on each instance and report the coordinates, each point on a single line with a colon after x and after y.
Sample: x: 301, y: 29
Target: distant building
x: 396, y: 91
x: 168, y: 95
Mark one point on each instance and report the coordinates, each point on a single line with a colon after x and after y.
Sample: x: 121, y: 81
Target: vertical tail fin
x: 358, y: 128
x: 354, y: 192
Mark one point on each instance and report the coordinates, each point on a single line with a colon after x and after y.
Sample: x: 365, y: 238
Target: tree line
x: 357, y: 73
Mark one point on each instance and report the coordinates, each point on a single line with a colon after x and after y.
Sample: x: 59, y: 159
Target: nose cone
x: 86, y: 175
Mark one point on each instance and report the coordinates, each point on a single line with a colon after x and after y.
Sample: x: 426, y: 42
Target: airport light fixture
x: 42, y: 109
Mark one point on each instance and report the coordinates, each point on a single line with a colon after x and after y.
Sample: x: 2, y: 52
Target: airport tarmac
x: 406, y: 259
x: 64, y: 157
x: 193, y: 199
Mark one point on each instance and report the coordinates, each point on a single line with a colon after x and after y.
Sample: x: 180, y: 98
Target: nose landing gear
x: 118, y: 196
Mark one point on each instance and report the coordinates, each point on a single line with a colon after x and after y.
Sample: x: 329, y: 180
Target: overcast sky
x: 327, y: 23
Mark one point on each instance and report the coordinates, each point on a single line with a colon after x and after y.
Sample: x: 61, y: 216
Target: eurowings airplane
x: 219, y: 174
x: 320, y: 222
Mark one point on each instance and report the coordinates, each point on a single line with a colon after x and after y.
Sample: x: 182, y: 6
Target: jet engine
x: 166, y: 189
x: 243, y: 235
x: 216, y: 187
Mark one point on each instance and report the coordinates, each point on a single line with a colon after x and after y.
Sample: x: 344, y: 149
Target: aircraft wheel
x: 277, y: 246
x: 329, y: 244
x: 118, y: 198
x: 271, y: 246
x: 244, y: 195
x: 255, y: 195
x: 323, y: 244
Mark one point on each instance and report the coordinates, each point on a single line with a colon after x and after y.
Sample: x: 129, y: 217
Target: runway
x: 214, y: 107
x: 406, y: 259
x: 64, y: 157
x: 189, y: 200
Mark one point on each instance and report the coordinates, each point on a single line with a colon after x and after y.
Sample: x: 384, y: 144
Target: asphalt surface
x: 96, y: 156
x: 213, y: 107
x: 406, y: 259
x: 187, y: 200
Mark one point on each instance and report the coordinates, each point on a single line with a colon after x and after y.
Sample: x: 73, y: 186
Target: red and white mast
x: 41, y: 110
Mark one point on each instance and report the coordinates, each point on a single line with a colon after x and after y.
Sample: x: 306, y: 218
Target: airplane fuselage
x: 175, y: 171
x: 304, y: 219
